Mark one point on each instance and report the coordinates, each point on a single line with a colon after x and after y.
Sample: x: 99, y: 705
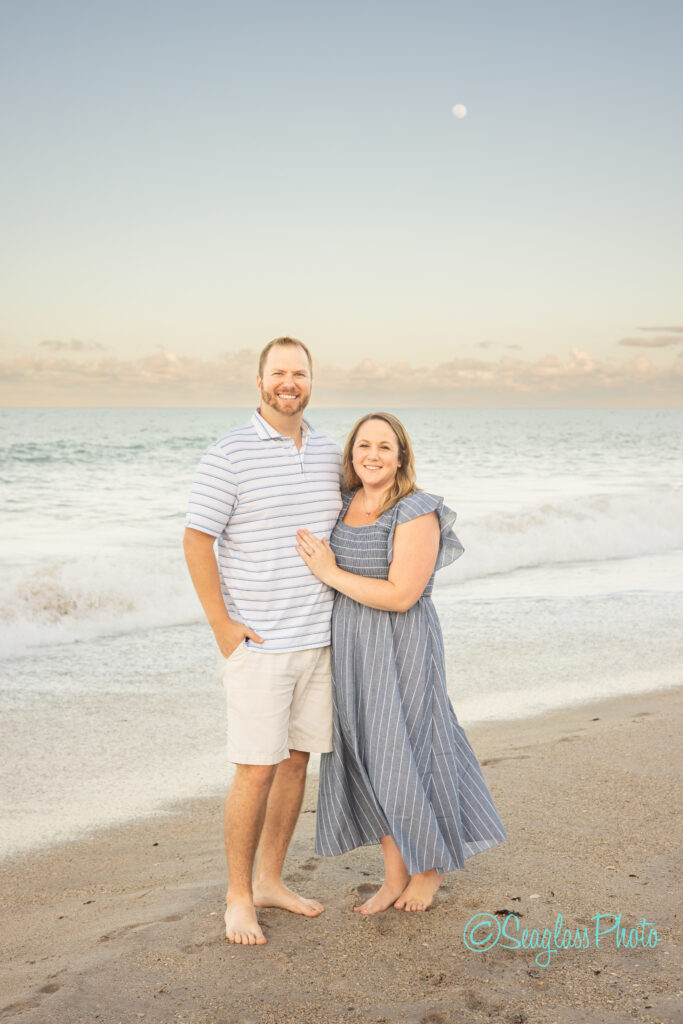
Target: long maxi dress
x: 401, y: 764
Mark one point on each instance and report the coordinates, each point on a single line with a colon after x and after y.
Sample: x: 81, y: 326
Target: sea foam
x: 123, y: 590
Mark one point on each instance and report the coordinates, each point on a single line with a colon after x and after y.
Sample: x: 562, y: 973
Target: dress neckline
x: 363, y: 526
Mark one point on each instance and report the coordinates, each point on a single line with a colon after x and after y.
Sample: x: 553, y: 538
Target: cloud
x: 672, y: 330
x: 163, y: 378
x: 155, y: 375
x: 665, y: 337
x: 510, y: 377
x: 75, y: 345
x: 663, y: 341
x: 579, y: 374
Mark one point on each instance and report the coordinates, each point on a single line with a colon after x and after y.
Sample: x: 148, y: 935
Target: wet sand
x: 127, y: 925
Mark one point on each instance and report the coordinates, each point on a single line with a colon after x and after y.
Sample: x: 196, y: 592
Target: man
x: 270, y: 616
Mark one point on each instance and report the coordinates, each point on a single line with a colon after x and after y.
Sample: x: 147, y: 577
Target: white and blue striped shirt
x: 253, y: 490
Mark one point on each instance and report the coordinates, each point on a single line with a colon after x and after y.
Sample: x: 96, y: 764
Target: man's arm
x: 201, y: 561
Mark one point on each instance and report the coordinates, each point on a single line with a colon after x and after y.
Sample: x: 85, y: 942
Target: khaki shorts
x: 276, y: 703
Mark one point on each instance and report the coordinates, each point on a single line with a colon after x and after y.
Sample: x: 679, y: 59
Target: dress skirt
x: 401, y: 764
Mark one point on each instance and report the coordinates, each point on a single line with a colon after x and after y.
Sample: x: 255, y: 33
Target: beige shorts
x: 276, y: 703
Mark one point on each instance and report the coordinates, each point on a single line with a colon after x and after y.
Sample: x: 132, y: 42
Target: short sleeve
x: 419, y: 504
x: 346, y: 497
x: 213, y: 493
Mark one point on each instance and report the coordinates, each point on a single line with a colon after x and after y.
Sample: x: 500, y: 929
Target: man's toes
x: 311, y: 908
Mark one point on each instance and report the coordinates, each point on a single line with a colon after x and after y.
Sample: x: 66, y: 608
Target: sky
x: 183, y: 181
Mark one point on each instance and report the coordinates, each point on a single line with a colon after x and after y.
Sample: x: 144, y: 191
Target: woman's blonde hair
x: 404, y: 482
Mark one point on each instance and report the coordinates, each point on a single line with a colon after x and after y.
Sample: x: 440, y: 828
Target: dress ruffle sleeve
x: 419, y: 504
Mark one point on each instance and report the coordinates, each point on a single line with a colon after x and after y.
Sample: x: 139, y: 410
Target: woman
x: 402, y: 771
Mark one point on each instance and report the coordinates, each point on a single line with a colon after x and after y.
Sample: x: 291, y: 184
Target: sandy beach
x: 126, y: 926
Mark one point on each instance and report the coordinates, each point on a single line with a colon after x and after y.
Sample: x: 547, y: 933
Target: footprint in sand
x: 513, y: 757
x: 310, y: 865
x: 194, y: 946
x: 382, y: 924
x: 29, y: 1004
x: 141, y: 924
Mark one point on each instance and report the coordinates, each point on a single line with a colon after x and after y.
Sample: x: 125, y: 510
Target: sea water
x: 570, y: 589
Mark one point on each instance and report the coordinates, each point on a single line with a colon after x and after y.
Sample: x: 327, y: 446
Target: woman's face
x: 375, y: 454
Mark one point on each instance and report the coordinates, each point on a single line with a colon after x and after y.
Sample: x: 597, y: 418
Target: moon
x: 459, y: 111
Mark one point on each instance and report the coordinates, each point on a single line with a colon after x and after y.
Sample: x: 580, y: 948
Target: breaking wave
x: 125, y: 590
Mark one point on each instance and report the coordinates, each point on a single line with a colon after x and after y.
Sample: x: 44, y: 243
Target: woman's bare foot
x: 241, y: 925
x: 419, y: 892
x: 384, y: 897
x: 276, y: 894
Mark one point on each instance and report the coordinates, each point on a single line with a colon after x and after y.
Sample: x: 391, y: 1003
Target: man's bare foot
x: 276, y: 894
x: 383, y: 898
x: 241, y: 925
x: 419, y: 892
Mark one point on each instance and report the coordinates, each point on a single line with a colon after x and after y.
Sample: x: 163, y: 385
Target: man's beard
x: 285, y: 408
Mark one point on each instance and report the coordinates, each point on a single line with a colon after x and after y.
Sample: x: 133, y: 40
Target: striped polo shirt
x: 253, y: 490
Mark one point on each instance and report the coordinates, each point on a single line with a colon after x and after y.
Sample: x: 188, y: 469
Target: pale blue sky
x: 203, y: 176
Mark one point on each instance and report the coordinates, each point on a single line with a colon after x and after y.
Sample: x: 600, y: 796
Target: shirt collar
x: 268, y: 433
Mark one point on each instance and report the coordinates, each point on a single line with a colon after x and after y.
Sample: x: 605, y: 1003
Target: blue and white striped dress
x: 401, y: 764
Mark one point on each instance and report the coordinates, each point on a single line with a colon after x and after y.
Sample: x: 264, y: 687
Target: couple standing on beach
x: 319, y: 602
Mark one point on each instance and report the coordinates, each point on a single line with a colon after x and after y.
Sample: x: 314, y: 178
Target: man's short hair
x: 283, y: 341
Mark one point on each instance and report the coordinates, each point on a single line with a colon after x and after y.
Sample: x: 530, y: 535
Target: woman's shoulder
x: 347, y: 497
x: 419, y: 503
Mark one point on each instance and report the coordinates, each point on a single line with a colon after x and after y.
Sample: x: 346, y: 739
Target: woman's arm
x: 416, y: 546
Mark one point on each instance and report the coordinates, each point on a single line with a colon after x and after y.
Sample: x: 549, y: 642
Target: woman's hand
x: 318, y: 556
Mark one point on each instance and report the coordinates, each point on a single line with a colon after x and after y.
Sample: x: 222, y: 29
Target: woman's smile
x: 375, y: 454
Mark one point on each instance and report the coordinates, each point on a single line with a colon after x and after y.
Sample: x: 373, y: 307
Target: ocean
x: 570, y: 589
